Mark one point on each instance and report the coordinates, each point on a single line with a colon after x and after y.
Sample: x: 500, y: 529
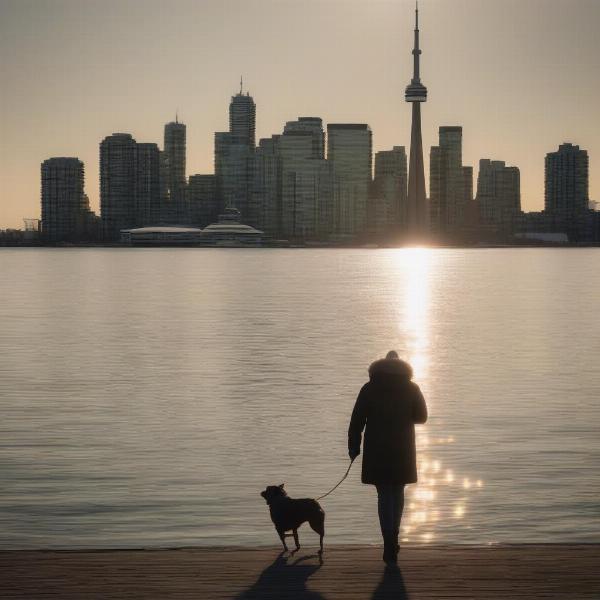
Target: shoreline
x: 338, y: 546
x: 483, y: 246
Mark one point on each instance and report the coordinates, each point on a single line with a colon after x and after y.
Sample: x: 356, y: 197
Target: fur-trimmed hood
x: 386, y: 367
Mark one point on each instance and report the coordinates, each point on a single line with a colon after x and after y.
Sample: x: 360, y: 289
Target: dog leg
x: 296, y: 540
x: 282, y: 538
x: 318, y: 526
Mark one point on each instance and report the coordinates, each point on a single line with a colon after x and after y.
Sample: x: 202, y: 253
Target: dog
x: 288, y: 514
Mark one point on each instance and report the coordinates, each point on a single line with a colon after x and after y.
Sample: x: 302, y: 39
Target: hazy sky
x: 520, y: 76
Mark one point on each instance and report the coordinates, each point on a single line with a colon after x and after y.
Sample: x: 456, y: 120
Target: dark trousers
x: 390, y: 504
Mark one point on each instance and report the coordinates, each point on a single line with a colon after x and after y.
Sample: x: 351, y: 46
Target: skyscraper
x: 266, y: 189
x: 202, y: 200
x: 566, y: 189
x: 174, y: 149
x: 234, y: 167
x: 389, y: 191
x: 118, y: 172
x: 147, y: 190
x: 242, y: 118
x: 234, y: 158
x: 498, y: 194
x: 174, y: 163
x: 224, y: 181
x: 165, y: 214
x: 312, y: 126
x: 306, y: 192
x: 349, y: 153
x: 64, y: 204
x: 451, y: 184
x: 416, y: 93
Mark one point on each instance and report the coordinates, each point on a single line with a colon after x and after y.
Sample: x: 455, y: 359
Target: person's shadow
x: 391, y: 586
x: 283, y: 580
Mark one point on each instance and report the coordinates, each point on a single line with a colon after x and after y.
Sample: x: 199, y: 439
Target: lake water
x: 147, y: 396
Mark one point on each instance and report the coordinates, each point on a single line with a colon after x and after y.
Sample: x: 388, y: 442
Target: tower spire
x: 241, y: 84
x: 416, y: 50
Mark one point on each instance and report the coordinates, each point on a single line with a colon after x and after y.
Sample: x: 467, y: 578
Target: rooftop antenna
x: 176, y: 115
x: 241, y: 84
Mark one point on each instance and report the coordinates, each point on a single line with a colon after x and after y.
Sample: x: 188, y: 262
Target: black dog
x: 288, y: 514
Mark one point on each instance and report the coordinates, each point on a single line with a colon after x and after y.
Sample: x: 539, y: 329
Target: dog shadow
x: 284, y: 579
x: 391, y: 585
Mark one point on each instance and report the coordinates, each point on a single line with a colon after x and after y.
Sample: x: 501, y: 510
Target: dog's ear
x: 281, y: 486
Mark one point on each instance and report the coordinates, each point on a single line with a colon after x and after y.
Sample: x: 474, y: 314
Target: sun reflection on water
x: 441, y: 496
x: 414, y: 267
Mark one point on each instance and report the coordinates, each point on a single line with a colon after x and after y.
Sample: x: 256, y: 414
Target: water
x: 148, y: 396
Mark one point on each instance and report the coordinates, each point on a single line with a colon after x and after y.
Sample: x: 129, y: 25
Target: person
x: 387, y: 408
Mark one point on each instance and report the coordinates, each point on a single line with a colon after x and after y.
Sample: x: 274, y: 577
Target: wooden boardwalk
x: 568, y: 572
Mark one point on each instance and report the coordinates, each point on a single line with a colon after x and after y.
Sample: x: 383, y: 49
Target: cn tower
x: 416, y: 93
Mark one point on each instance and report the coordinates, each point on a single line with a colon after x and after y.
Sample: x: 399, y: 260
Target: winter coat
x: 387, y: 408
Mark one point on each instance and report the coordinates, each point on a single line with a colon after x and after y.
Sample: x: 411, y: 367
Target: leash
x: 339, y: 482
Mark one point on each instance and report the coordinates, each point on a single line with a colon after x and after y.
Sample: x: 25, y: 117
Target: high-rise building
x: 234, y: 170
x: 147, y: 191
x: 223, y: 176
x: 498, y: 194
x: 234, y: 158
x: 388, y: 203
x: 312, y: 126
x: 266, y: 189
x: 174, y: 153
x: 306, y: 183
x: 416, y: 93
x: 202, y: 200
x: 451, y: 184
x: 242, y: 119
x: 450, y: 138
x: 306, y: 199
x: 118, y: 172
x: 349, y: 152
x: 391, y: 162
x: 174, y: 157
x: 567, y: 182
x: 64, y: 204
x: 296, y: 145
x: 165, y: 214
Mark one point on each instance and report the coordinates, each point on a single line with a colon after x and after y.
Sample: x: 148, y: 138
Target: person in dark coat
x: 387, y: 408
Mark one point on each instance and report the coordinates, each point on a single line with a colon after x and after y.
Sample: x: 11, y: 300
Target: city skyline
x: 31, y: 136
